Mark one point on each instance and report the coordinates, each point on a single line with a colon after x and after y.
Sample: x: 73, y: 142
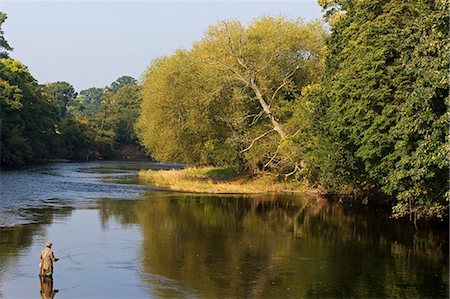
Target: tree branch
x: 217, y: 61
x: 296, y: 168
x: 256, y: 139
x: 276, y: 125
x: 256, y: 118
x: 229, y: 43
x: 284, y: 83
x: 271, y: 159
x: 268, y: 63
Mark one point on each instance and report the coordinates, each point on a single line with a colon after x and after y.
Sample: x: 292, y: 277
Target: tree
x: 87, y: 102
x: 14, y: 146
x: 28, y: 120
x: 4, y: 46
x: 76, y: 140
x: 62, y: 93
x: 182, y: 113
x: 109, y: 115
x: 382, y: 105
x: 243, y: 80
x: 270, y: 61
x: 124, y: 80
x: 125, y: 112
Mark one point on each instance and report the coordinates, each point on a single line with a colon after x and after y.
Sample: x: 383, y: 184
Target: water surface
x: 118, y: 238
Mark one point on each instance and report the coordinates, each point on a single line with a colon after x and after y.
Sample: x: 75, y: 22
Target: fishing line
x: 70, y: 256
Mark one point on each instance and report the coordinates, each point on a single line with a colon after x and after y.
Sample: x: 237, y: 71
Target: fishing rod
x: 71, y: 255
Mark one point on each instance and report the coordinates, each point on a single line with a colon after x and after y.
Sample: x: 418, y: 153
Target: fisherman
x: 47, y: 260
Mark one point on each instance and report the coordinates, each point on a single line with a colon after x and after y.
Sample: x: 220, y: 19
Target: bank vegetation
x: 357, y: 105
x: 359, y: 108
x: 216, y: 180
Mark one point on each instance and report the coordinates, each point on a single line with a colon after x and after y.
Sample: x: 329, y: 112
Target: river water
x: 117, y: 237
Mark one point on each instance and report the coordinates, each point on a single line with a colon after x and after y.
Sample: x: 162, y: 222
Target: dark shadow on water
x: 282, y: 246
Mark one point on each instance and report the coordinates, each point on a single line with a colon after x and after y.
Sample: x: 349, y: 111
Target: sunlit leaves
x: 27, y: 118
x: 384, y: 92
x: 227, y: 99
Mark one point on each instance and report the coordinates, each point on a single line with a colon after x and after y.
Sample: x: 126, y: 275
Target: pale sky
x: 92, y: 43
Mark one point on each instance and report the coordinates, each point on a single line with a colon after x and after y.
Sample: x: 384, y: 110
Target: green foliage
x: 181, y: 112
x: 87, y: 103
x: 27, y: 119
x: 125, y: 112
x: 4, y: 46
x: 227, y: 100
x: 122, y: 81
x: 40, y: 122
x: 381, y: 111
x: 110, y: 115
x: 61, y: 94
x: 51, y: 121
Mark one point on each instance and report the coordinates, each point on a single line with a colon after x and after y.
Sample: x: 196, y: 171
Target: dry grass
x: 217, y: 180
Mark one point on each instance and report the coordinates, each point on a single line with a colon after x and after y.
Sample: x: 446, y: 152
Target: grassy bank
x: 219, y: 180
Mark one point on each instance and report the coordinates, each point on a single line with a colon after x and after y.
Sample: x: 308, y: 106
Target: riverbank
x: 220, y: 181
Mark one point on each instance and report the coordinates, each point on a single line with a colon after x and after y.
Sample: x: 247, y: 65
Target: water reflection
x: 281, y: 246
x: 217, y: 246
x: 95, y: 261
x: 179, y: 245
x: 14, y: 240
x: 47, y: 291
x: 67, y: 184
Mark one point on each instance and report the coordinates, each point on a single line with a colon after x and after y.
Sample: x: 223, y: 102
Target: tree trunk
x: 276, y: 125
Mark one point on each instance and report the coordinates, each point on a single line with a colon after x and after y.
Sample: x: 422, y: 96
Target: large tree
x: 182, y: 111
x: 244, y: 79
x: 382, y: 105
x: 61, y: 93
x: 122, y: 81
x: 270, y: 58
x: 28, y: 119
x: 87, y: 103
x: 270, y: 61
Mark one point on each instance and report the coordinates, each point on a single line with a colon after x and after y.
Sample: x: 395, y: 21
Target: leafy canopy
x: 381, y: 110
x: 227, y: 99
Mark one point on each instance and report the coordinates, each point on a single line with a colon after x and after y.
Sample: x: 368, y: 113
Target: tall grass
x: 218, y: 180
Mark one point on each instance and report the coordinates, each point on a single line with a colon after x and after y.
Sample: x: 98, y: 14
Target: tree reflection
x: 121, y: 210
x: 280, y: 246
x: 372, y: 255
x: 216, y: 246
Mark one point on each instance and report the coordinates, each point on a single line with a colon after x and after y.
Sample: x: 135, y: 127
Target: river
x: 117, y: 237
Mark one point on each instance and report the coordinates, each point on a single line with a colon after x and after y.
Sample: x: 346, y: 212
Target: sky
x: 92, y: 43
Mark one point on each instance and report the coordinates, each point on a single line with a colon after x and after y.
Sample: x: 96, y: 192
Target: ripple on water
x: 58, y: 185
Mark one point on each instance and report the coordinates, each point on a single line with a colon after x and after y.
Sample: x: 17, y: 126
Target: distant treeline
x: 48, y: 121
x: 358, y: 107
